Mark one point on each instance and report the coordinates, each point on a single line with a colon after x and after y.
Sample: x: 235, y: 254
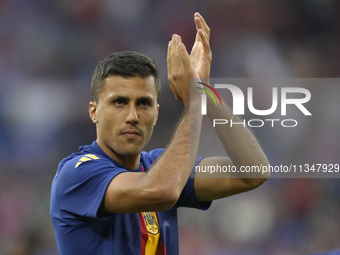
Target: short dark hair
x: 125, y: 64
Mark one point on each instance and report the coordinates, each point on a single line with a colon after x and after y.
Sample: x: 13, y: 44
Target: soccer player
x: 113, y: 198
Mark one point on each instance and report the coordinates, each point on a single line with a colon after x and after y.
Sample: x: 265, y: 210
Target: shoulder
x: 80, y: 166
x: 80, y: 171
x: 77, y: 160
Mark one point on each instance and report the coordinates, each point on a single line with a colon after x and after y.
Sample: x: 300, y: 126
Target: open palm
x: 201, y: 56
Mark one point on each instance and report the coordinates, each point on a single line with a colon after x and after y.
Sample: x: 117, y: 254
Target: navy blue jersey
x: 78, y: 189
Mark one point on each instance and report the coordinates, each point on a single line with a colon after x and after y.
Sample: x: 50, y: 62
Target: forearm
x: 172, y: 169
x: 238, y: 141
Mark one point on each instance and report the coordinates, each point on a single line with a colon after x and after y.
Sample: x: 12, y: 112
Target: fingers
x: 180, y: 69
x: 201, y: 24
x: 177, y: 54
x: 205, y: 41
x: 168, y: 59
x: 203, y: 32
x: 182, y: 51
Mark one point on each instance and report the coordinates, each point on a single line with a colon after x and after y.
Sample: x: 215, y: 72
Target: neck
x: 129, y: 162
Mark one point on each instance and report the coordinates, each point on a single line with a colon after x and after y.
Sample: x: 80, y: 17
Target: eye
x: 120, y: 102
x: 144, y: 102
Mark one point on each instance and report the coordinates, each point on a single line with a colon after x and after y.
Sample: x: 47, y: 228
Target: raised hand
x: 201, y: 56
x: 180, y: 70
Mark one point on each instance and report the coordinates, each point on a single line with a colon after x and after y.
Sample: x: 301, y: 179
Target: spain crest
x: 151, y: 222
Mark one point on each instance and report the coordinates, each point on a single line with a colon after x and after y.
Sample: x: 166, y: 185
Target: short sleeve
x: 187, y: 198
x: 81, y: 184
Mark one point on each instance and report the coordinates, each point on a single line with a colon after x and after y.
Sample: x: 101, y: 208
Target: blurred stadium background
x: 48, y: 50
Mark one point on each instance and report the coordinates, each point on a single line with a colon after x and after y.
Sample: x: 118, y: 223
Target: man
x: 114, y: 198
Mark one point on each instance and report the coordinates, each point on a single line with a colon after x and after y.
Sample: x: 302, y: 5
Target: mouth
x: 131, y: 133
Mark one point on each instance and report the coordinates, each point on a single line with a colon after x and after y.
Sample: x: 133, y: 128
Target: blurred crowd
x: 48, y: 50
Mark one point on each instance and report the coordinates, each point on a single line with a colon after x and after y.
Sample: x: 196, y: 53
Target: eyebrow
x: 149, y: 99
x: 115, y: 97
x: 125, y: 98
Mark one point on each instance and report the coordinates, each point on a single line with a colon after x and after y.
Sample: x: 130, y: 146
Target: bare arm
x: 161, y: 186
x: 243, y: 150
x: 238, y: 141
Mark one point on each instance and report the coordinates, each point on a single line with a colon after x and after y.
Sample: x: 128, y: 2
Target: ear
x: 93, y: 111
x: 156, y: 115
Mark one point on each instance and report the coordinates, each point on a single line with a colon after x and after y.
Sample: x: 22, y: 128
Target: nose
x: 132, y: 116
